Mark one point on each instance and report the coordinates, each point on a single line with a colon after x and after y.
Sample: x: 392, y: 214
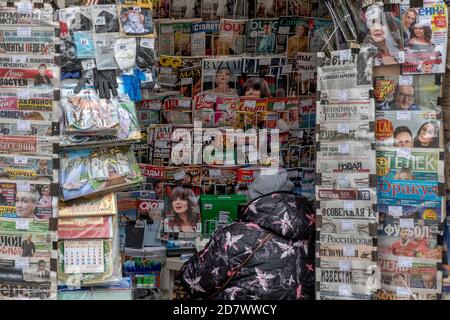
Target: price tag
x: 405, y: 81
x: 345, y: 54
x: 343, y: 148
x: 23, y: 187
x: 100, y: 43
x: 348, y: 251
x: 349, y: 205
x: 279, y: 105
x: 347, y: 225
x: 100, y: 21
x: 343, y: 95
x: 21, y: 262
x: 283, y: 30
x: 148, y: 43
x: 403, y: 292
x: 23, y: 95
x: 395, y: 211
x: 252, y: 156
x: 23, y: 31
x: 184, y: 103
x: 401, y: 56
x: 165, y: 70
x: 24, y: 7
x: 215, y: 172
x: 84, y: 41
x: 250, y: 103
x: 23, y: 125
x: 22, y: 224
x: 19, y: 59
x: 404, y: 262
x: 404, y: 115
x: 137, y: 9
x: 179, y: 175
x: 186, y: 81
x: 265, y: 62
x: 407, y: 223
x: 345, y: 290
x: 20, y: 160
x: 344, y: 265
x: 68, y: 14
x: 343, y: 128
x: 404, y: 152
x: 343, y: 181
x: 88, y: 64
x: 287, y: 68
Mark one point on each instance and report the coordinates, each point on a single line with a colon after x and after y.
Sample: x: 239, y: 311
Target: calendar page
x: 83, y: 256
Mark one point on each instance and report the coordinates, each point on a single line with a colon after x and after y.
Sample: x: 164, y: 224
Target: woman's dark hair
x: 186, y: 194
x: 427, y: 33
x: 257, y: 83
x: 435, y: 142
x: 42, y: 65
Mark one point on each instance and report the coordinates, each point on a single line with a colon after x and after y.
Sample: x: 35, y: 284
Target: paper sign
x: 404, y: 262
x: 23, y: 187
x: 405, y: 81
x: 345, y: 290
x: 23, y: 125
x: 23, y: 95
x: 344, y: 265
x: 406, y: 223
x: 100, y: 21
x: 22, y: 224
x: 343, y: 128
x: 20, y: 160
x: 395, y: 211
x: 349, y: 205
x: 23, y: 32
x: 403, y: 292
x: 348, y: 251
x: 179, y: 175
x: 404, y: 115
x: 347, y: 225
x: 24, y: 7
x: 21, y: 262
x: 147, y: 43
x: 345, y: 54
x: 88, y: 64
x: 19, y: 59
x: 343, y: 148
x: 404, y: 152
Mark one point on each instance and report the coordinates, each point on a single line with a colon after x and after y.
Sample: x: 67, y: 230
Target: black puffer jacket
x: 282, y: 269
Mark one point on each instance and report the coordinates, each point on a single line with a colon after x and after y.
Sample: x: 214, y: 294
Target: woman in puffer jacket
x: 269, y: 254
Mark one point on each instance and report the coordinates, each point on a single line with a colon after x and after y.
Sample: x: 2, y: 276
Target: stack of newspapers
x: 346, y: 178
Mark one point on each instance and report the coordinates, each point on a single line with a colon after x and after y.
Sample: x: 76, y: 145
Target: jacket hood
x: 287, y: 214
x: 268, y: 183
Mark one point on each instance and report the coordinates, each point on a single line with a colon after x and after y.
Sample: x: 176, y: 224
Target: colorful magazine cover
x: 383, y: 40
x: 175, y: 38
x: 410, y: 238
x: 204, y: 38
x: 402, y: 93
x: 421, y: 164
x: 231, y: 41
x: 261, y: 36
x: 182, y: 9
x: 136, y: 21
x: 15, y: 167
x: 303, y: 78
x: 292, y: 36
x: 409, y: 129
x: 425, y: 37
x: 409, y: 190
x: 411, y: 209
x: 220, y: 76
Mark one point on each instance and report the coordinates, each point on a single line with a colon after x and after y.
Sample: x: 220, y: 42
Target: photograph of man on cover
x: 42, y: 272
x: 298, y: 42
x: 404, y: 97
x: 42, y: 79
x: 403, y: 137
x: 266, y: 42
x: 28, y: 247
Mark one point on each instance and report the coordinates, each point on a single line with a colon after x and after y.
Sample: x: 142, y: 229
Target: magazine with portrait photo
x: 231, y: 41
x: 409, y: 129
x: 402, y: 93
x: 383, y: 40
x: 262, y: 9
x: 221, y: 76
x: 425, y: 37
x: 204, y: 38
x: 292, y: 36
x: 261, y: 36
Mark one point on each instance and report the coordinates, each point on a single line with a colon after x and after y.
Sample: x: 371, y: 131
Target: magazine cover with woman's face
x: 220, y: 76
x: 182, y: 213
x: 425, y: 38
x: 383, y: 40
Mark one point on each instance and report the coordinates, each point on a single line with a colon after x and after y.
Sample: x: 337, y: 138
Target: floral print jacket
x: 281, y: 269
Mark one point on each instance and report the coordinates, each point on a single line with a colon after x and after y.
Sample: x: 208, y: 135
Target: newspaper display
x: 35, y: 104
x: 410, y: 273
x: 26, y: 270
x: 16, y: 167
x: 426, y: 42
x: 345, y: 184
x: 175, y: 38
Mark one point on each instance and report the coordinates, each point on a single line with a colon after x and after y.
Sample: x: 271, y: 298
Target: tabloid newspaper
x: 357, y: 227
x: 341, y: 209
x: 360, y: 131
x: 412, y: 209
x: 14, y: 167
